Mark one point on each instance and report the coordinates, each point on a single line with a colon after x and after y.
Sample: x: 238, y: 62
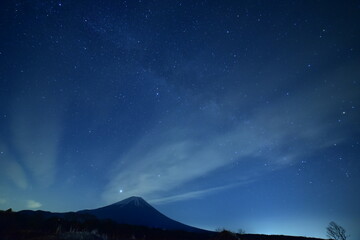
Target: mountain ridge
x: 136, y: 211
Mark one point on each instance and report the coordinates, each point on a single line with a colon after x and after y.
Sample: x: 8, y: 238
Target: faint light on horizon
x: 312, y: 228
x: 120, y: 191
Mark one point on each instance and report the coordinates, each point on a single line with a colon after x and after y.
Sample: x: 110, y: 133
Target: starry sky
x: 234, y: 114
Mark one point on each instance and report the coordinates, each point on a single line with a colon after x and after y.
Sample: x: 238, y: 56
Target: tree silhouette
x: 336, y: 232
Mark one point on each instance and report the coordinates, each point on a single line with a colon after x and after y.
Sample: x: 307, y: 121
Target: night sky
x: 235, y: 114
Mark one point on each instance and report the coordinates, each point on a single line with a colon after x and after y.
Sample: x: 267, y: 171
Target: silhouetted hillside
x: 42, y: 225
x: 37, y: 225
x: 273, y: 237
x: 132, y: 218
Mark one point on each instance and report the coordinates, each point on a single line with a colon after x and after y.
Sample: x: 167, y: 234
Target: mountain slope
x: 136, y: 211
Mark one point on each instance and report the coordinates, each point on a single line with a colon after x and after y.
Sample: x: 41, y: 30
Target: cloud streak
x: 274, y: 137
x: 33, y: 204
x: 35, y: 136
x: 194, y: 194
x: 11, y: 169
x: 29, y: 150
x: 3, y: 200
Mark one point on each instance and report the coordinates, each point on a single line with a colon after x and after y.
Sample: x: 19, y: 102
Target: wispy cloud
x: 3, y: 200
x: 35, y: 132
x: 15, y: 172
x: 30, y: 147
x: 11, y: 169
x: 192, y: 194
x: 33, y: 204
x: 266, y: 139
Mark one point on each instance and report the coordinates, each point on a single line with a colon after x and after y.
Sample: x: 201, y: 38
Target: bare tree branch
x: 336, y: 232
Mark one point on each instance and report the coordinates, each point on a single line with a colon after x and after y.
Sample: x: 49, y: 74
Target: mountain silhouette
x: 136, y: 211
x: 123, y: 220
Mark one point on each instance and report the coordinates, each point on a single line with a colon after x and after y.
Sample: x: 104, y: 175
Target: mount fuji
x: 136, y: 211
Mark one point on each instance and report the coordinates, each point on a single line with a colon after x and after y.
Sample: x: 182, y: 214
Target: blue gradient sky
x: 232, y: 114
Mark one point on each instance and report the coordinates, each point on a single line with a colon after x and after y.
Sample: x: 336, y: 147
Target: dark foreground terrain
x: 76, y: 226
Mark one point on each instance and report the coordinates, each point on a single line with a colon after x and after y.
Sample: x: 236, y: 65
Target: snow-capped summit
x: 137, y: 201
